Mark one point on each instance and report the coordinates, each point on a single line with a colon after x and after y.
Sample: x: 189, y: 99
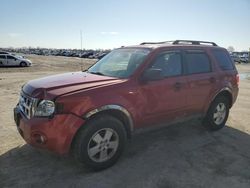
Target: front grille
x: 27, y: 104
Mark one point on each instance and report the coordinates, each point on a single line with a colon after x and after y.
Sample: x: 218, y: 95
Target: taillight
x: 237, y: 77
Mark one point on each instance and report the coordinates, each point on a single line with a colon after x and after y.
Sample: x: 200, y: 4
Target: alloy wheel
x: 219, y: 113
x: 103, y: 145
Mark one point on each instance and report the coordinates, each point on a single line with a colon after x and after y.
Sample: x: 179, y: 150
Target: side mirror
x: 152, y: 74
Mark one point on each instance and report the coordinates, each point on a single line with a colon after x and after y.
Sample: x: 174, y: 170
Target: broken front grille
x: 27, y: 104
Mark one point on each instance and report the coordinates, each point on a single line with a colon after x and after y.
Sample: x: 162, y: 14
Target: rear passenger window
x: 223, y: 60
x: 2, y: 56
x: 197, y: 62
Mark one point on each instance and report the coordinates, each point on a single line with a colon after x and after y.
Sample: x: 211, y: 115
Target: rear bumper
x: 235, y: 93
x: 55, y: 134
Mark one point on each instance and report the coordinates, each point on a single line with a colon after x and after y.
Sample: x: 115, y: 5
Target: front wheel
x: 100, y: 142
x: 217, y: 114
x: 23, y: 64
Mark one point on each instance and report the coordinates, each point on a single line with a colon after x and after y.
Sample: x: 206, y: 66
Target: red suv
x: 92, y: 113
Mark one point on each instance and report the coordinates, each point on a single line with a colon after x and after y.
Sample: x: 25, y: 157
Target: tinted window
x: 2, y: 56
x: 170, y: 63
x: 223, y: 60
x: 10, y: 57
x: 197, y: 62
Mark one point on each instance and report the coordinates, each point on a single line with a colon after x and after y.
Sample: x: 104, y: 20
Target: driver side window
x: 169, y: 63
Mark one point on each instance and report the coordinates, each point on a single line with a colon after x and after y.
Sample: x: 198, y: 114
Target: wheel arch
x: 226, y: 92
x: 20, y: 64
x: 116, y: 111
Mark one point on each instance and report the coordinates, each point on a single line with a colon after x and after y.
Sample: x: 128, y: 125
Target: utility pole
x: 249, y: 56
x: 81, y: 39
x: 81, y: 49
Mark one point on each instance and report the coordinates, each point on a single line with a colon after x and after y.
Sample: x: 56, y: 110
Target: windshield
x: 120, y: 63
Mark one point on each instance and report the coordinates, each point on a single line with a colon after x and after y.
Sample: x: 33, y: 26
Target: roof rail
x: 153, y: 43
x: 193, y: 42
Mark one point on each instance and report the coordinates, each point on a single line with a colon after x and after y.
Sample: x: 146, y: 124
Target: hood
x: 53, y: 86
x: 20, y: 57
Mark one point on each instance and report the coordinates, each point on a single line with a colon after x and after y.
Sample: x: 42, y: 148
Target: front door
x: 166, y: 98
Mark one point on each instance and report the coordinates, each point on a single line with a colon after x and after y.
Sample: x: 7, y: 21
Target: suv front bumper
x: 55, y: 134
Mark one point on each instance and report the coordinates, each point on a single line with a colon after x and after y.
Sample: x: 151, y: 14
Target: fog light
x: 39, y: 138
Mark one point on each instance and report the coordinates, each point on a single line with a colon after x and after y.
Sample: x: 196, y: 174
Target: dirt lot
x: 182, y: 155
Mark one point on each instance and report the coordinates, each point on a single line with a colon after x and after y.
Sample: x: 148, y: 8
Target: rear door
x: 3, y: 61
x: 166, y: 98
x: 201, y: 80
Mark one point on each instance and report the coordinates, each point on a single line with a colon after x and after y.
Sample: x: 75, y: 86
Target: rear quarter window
x: 223, y: 59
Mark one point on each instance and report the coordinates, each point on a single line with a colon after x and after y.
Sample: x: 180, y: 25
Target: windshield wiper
x: 97, y: 73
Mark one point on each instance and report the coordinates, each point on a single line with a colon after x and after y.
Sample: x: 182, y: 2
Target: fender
x: 217, y: 93
x: 112, y: 107
x: 220, y: 91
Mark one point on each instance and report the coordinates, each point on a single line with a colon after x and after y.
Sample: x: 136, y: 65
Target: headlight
x: 45, y: 108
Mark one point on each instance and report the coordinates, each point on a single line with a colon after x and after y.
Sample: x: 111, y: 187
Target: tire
x: 92, y: 149
x: 217, y: 114
x: 23, y: 64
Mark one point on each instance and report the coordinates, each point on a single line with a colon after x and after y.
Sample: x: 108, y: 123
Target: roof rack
x: 153, y: 43
x: 193, y: 42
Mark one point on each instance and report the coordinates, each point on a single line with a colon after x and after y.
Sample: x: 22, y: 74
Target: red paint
x: 58, y: 131
x: 148, y: 103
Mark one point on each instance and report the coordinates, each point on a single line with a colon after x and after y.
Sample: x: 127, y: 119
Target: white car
x: 14, y: 60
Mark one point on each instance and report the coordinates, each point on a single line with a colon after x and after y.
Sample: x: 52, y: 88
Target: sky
x: 107, y: 24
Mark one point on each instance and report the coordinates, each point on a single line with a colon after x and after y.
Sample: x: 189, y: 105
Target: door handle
x: 177, y: 85
x: 212, y: 79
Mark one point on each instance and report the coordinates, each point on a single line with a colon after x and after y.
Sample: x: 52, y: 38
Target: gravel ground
x: 180, y: 155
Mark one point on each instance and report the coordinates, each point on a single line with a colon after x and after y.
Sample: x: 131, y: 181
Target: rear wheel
x: 100, y: 143
x: 23, y: 64
x: 217, y: 114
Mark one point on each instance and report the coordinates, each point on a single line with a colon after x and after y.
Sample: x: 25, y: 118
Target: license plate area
x: 17, y: 116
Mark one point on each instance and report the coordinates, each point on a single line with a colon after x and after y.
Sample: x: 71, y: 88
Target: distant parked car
x: 235, y: 58
x: 86, y: 54
x: 240, y: 57
x: 244, y: 59
x: 2, y: 52
x: 100, y: 55
x: 14, y: 60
